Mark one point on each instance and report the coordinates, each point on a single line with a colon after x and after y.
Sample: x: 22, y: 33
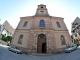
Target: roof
x: 77, y: 19
x: 8, y: 27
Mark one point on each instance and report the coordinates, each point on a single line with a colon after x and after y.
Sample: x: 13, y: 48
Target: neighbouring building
x: 0, y: 27
x: 75, y: 30
x: 7, y: 29
x: 41, y: 33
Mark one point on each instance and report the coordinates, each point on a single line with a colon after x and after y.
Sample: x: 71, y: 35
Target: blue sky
x: 12, y: 10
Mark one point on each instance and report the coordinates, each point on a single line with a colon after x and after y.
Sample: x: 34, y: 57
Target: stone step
x: 41, y: 54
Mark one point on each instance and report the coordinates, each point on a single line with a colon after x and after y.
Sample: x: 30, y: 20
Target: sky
x: 12, y: 10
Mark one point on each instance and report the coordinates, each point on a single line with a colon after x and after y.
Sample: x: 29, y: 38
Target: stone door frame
x: 40, y: 41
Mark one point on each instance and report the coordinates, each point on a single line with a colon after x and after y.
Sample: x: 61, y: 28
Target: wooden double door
x: 41, y: 44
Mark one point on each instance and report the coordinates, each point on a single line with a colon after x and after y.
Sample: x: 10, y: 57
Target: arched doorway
x: 41, y: 43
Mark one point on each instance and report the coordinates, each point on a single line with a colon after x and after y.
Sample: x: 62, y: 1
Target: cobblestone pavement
x: 8, y: 55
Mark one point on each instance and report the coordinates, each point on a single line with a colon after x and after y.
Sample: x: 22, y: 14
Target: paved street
x: 8, y: 55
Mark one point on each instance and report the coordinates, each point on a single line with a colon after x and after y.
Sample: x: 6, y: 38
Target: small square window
x: 79, y: 33
x: 76, y: 35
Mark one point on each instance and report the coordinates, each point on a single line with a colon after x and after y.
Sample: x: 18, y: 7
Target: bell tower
x: 41, y: 10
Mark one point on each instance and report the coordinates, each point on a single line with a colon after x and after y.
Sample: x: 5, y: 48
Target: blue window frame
x: 25, y: 24
x: 58, y: 24
x: 42, y: 23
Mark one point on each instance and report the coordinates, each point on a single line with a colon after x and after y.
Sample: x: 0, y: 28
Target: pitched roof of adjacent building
x: 8, y: 27
x: 75, y: 22
x: 77, y: 19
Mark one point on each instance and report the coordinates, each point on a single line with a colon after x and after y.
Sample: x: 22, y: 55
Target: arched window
x: 62, y: 40
x: 42, y: 23
x: 20, y: 39
x: 25, y: 24
x: 58, y: 24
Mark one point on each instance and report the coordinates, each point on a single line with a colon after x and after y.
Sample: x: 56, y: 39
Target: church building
x: 41, y: 33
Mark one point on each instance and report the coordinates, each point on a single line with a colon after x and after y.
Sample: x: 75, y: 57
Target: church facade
x: 41, y: 33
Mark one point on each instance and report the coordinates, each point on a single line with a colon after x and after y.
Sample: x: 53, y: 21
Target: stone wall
x: 3, y: 42
x: 50, y: 40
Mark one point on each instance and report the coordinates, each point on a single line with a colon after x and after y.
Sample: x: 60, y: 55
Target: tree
x: 9, y: 38
x: 6, y: 38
